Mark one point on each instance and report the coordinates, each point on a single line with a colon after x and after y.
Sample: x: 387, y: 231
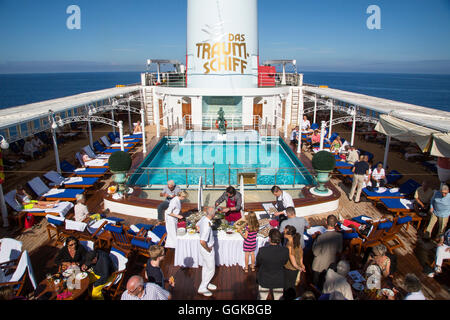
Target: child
x: 251, y: 231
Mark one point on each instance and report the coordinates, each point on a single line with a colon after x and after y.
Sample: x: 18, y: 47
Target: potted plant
x: 323, y: 163
x: 119, y: 164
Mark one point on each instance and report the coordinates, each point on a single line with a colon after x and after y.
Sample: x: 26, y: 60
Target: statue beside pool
x: 221, y: 122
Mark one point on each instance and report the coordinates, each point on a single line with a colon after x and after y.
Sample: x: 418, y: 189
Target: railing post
x: 167, y: 174
x: 148, y: 177
x: 206, y: 173
x: 186, y: 178
x: 214, y: 174
x: 293, y: 183
x: 229, y: 174
x: 276, y: 177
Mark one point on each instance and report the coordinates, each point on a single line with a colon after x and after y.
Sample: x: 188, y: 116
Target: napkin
x: 64, y: 295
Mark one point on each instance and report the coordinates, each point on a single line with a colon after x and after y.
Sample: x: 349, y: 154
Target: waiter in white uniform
x: 207, y: 253
x: 172, y: 214
x: 284, y: 200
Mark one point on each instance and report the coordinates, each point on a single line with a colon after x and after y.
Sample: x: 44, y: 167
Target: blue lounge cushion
x: 343, y: 164
x: 385, y: 225
x: 392, y: 203
x: 360, y: 220
x: 118, y: 251
x: 55, y: 221
x: 404, y: 219
x: 350, y: 235
x: 160, y: 231
x: 115, y: 219
x: 85, y: 182
x: 113, y: 228
x: 140, y: 243
x: 68, y: 193
x: 145, y: 226
x: 345, y: 172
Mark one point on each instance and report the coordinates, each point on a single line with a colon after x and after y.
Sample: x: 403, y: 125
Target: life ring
x: 217, y: 124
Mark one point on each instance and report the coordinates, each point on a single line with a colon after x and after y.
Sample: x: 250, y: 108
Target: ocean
x: 424, y: 90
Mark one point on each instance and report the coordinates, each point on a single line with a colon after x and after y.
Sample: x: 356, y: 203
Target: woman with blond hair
x: 251, y: 231
x: 172, y: 214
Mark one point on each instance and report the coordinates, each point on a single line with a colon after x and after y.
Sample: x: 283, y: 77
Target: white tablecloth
x: 228, y: 249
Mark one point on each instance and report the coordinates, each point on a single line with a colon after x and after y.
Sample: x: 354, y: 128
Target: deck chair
x: 119, y: 238
x: 393, y: 176
x: 343, y: 165
x: 391, y: 235
x: 10, y: 251
x: 372, y: 239
x: 88, y: 245
x: 102, y: 149
x: 402, y: 208
x: 19, y: 277
x: 120, y: 261
x: 404, y: 190
x: 346, y: 172
x: 55, y: 224
x: 105, y: 141
x: 72, y: 182
x: 133, y: 136
x: 94, y: 163
x: 82, y: 172
x: 91, y: 231
x: 42, y: 191
x: 60, y: 210
x: 158, y: 235
x: 113, y: 137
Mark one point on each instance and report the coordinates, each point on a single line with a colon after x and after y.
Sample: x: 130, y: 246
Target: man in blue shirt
x: 440, y: 210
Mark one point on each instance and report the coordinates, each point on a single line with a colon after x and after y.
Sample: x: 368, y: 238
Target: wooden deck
x: 232, y: 282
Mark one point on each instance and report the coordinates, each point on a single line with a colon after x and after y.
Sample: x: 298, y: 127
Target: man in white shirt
x: 306, y: 125
x: 207, y: 253
x: 284, y: 200
x: 138, y: 290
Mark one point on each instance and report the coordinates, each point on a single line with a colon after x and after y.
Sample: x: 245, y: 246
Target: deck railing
x: 256, y: 176
x: 265, y: 80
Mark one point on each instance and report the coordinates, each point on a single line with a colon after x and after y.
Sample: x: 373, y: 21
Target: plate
x: 387, y: 292
x: 67, y: 273
x: 81, y: 275
x: 358, y: 286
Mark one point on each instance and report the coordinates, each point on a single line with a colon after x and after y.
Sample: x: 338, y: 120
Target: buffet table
x: 228, y: 249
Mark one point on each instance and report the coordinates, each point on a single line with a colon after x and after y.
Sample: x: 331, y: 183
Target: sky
x: 322, y: 35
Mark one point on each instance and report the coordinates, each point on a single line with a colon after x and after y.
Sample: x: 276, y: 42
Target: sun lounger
x: 133, y: 136
x: 346, y: 172
x: 343, y: 165
x: 82, y: 172
x: 71, y: 182
x: 18, y: 279
x: 43, y: 191
x: 95, y: 163
x: 397, y: 205
x: 60, y: 210
x: 405, y: 189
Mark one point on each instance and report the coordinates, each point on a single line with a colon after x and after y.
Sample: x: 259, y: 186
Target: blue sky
x: 322, y: 35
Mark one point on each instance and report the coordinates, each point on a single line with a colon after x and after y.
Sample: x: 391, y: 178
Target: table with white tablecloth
x: 228, y: 249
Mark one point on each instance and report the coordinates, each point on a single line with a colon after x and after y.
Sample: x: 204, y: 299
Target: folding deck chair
x: 43, y: 191
x: 391, y: 234
x: 22, y: 271
x: 120, y: 261
x: 402, y: 207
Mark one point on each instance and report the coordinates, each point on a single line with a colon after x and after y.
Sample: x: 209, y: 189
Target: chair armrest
x: 100, y: 228
x: 141, y: 232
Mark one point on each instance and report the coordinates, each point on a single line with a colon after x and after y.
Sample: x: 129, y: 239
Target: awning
x: 441, y: 145
x: 406, y: 131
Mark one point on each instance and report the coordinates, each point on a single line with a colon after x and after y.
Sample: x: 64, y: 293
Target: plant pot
x: 322, y: 178
x: 120, y: 178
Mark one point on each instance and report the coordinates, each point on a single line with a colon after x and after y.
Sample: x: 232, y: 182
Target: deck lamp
x: 4, y: 144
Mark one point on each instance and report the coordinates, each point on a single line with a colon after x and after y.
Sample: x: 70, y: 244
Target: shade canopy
x: 428, y: 140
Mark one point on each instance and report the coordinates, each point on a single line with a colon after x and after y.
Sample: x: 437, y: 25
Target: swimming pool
x: 266, y: 162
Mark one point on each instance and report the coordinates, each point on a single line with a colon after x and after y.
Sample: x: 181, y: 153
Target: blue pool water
x: 272, y: 161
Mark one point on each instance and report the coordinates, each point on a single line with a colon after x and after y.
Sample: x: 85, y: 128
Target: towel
x: 394, y: 190
x: 62, y: 208
x: 24, y: 263
x: 73, y: 180
x: 134, y: 228
x: 10, y: 249
x: 408, y: 204
x: 153, y: 236
x: 381, y: 190
x: 314, y: 229
x: 75, y: 225
x: 80, y: 170
x: 95, y: 163
x: 53, y: 192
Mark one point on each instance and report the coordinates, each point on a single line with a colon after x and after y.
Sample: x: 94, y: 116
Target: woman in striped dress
x: 251, y: 231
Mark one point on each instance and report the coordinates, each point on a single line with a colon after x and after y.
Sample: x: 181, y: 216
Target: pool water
x: 220, y: 163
